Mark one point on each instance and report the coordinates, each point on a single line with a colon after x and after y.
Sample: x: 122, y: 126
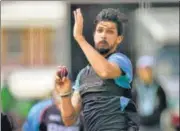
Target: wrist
x: 79, y: 38
x: 58, y: 96
x: 66, y: 94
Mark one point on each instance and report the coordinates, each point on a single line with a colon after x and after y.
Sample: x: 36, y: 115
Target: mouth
x: 103, y: 43
x: 102, y: 47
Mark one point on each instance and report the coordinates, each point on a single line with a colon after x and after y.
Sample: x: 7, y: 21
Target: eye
x: 110, y: 31
x: 99, y: 30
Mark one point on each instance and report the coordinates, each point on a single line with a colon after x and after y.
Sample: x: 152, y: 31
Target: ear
x: 119, y: 39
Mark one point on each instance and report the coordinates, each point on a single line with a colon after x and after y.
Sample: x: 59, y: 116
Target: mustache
x: 103, y: 41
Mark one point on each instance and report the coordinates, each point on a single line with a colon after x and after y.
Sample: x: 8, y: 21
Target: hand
x: 78, y: 25
x: 62, y: 85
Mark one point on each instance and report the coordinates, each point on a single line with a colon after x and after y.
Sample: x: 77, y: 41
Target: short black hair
x: 113, y: 15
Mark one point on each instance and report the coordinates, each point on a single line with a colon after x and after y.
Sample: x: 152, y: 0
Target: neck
x: 106, y: 55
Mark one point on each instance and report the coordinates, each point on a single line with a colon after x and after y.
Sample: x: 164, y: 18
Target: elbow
x: 103, y: 74
x: 109, y: 74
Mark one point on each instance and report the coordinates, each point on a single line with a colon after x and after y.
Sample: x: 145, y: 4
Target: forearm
x: 97, y: 61
x: 68, y: 112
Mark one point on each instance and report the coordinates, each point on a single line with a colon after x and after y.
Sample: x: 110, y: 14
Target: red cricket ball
x: 62, y: 71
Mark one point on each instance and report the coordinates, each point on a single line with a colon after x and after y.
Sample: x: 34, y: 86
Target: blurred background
x: 36, y: 37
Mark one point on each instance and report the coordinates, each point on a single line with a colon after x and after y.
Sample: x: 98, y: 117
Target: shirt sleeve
x: 125, y: 65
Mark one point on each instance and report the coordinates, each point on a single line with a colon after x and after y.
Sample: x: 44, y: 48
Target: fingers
x: 79, y: 12
x: 58, y: 80
x: 78, y: 15
x: 75, y: 16
x: 58, y: 83
x: 62, y: 83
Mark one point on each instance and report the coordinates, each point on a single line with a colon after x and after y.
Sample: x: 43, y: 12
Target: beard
x: 103, y: 50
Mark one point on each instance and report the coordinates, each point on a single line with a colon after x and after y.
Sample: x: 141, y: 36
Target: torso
x: 101, y: 108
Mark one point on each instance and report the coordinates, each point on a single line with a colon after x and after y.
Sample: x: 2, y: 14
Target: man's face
x: 145, y: 74
x: 106, y: 37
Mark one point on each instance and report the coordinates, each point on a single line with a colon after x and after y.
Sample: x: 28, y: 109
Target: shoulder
x: 82, y: 72
x: 125, y: 66
x: 77, y: 81
x: 36, y: 110
x: 123, y: 61
x: 32, y: 122
x: 119, y: 56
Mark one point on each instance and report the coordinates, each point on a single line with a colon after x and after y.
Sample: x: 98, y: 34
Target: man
x: 45, y: 116
x: 102, y: 89
x: 149, y: 95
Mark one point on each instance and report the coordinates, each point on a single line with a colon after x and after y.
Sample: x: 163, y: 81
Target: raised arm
x: 103, y: 67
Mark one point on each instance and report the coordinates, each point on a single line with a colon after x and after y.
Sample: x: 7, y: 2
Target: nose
x: 103, y: 35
